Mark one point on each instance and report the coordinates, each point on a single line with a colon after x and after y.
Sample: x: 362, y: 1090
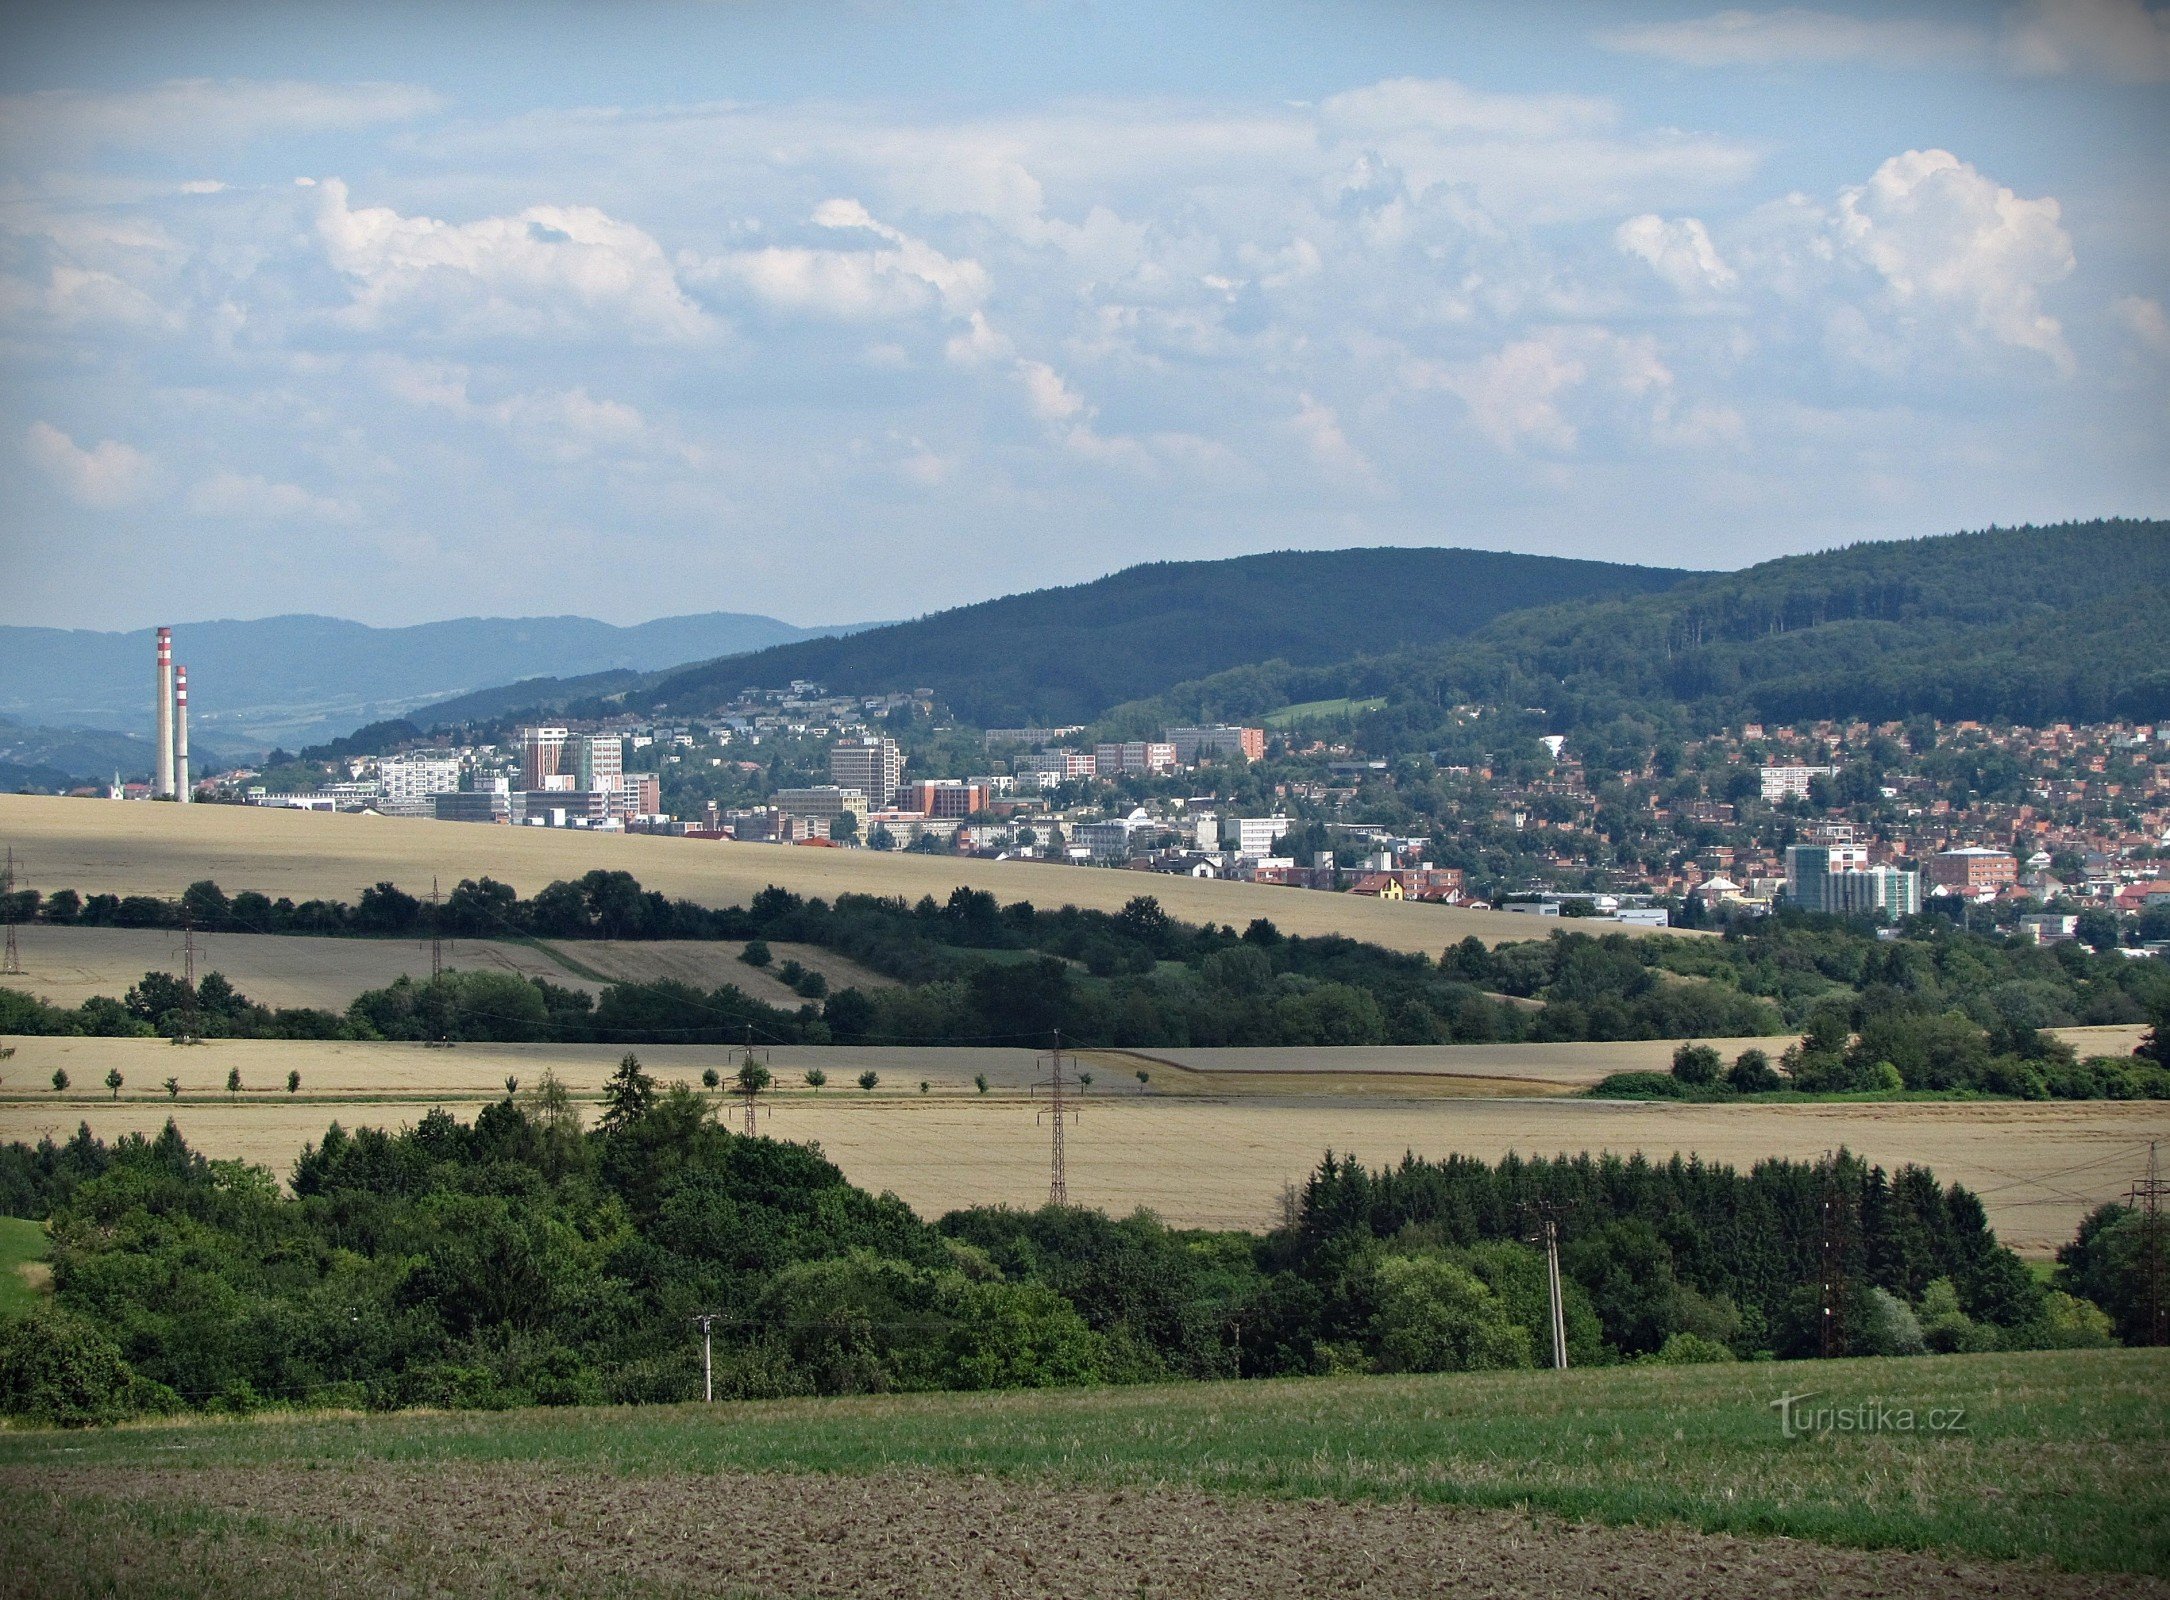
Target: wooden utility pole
x: 708, y: 1358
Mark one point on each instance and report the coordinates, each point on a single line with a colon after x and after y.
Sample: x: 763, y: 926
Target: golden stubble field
x: 1197, y: 1156
x: 109, y: 847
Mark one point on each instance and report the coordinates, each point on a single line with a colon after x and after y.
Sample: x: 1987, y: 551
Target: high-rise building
x: 542, y: 758
x: 1133, y: 758
x: 1837, y: 879
x: 873, y: 766
x: 418, y: 775
x: 1791, y: 783
x: 598, y: 760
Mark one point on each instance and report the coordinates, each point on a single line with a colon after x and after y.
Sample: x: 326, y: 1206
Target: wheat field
x: 111, y: 847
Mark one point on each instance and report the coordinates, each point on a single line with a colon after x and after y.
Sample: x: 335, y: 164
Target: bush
x: 1888, y: 1326
x: 1689, y: 1349
x: 1637, y: 1086
x: 1752, y: 1073
x: 1696, y: 1065
x: 56, y: 1368
x: 1434, y: 1316
x: 756, y: 953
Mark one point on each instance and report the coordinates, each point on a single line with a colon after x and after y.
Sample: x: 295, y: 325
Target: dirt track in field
x: 456, y: 1530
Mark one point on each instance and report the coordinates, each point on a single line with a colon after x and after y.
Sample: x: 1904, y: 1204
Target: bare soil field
x: 459, y: 1529
x: 1199, y: 1160
x: 104, y: 846
x: 708, y: 964
x: 69, y: 965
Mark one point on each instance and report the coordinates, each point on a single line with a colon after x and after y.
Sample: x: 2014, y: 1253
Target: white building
x: 418, y: 775
x: 1788, y: 783
x: 873, y: 766
x: 1254, y: 836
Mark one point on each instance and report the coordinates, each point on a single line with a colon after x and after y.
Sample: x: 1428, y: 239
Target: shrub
x: 1434, y: 1316
x: 1752, y: 1073
x: 56, y: 1368
x: 868, y: 1079
x: 1690, y: 1350
x: 1888, y: 1326
x: 756, y: 953
x: 1696, y: 1065
x: 1638, y: 1086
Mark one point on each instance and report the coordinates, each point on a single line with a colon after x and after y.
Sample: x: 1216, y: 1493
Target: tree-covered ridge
x: 1067, y: 655
x: 2030, y: 625
x: 524, y: 1259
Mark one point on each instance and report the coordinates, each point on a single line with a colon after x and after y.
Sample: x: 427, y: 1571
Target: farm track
x: 537, y: 1530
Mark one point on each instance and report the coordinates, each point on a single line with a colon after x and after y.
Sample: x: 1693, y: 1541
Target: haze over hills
x: 293, y: 679
x: 1067, y: 655
x: 2029, y: 625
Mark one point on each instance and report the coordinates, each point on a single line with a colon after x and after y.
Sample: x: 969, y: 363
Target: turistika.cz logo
x: 1797, y: 1417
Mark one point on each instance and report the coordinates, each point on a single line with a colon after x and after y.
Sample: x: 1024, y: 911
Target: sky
x: 853, y: 311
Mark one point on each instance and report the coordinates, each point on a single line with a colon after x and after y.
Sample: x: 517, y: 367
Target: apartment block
x: 873, y: 766
x: 1134, y: 758
x: 1975, y: 873
x: 1220, y: 741
x: 1791, y: 783
x: 944, y: 797
x: 827, y: 801
x: 542, y: 759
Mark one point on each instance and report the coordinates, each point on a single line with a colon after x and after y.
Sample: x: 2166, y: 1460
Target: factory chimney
x: 181, y: 786
x: 162, y: 772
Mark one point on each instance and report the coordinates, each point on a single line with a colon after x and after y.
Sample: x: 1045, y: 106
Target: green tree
x: 979, y: 1081
x: 628, y: 1096
x: 233, y: 1080
x: 868, y: 1079
x: 925, y: 1086
x: 60, y: 1079
x: 1144, y: 1078
x: 1433, y: 1316
x: 711, y: 1078
x: 815, y: 1078
x: 1752, y: 1073
x: 113, y: 1081
x: 756, y: 953
x: 293, y: 1080
x: 752, y: 1077
x: 1696, y: 1064
x: 172, y: 1086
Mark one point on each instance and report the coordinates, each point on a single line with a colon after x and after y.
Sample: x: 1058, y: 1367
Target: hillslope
x: 293, y: 679
x: 2026, y: 625
x: 1066, y: 655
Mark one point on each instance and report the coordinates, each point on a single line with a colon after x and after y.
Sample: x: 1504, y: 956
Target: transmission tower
x: 436, y: 939
x: 1054, y: 1114
x: 2146, y: 1196
x: 12, y: 963
x: 1831, y: 1251
x: 755, y: 1056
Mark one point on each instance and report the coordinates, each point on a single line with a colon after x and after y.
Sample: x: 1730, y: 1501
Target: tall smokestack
x: 180, y: 735
x: 162, y: 773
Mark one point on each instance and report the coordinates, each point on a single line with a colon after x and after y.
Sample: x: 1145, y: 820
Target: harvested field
x: 101, y: 846
x: 69, y: 965
x: 708, y: 964
x: 1635, y: 1480
x: 1198, y: 1159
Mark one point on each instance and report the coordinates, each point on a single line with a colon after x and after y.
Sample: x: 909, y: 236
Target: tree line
x: 523, y: 1258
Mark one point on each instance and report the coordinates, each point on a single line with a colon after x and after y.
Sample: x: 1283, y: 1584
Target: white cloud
x: 195, y: 111
x: 1441, y: 105
x: 1679, y: 251
x: 1518, y: 395
x: 246, y: 498
x: 2119, y: 39
x: 561, y: 425
x: 1320, y: 430
x: 1741, y: 38
x: 1942, y: 234
x: 2145, y: 319
x: 544, y: 270
x: 907, y: 277
x: 105, y: 477
x: 1051, y: 399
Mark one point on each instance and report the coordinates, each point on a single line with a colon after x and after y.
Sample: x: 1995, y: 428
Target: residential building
x: 2049, y: 928
x: 1790, y: 783
x: 1978, y: 874
x: 1838, y: 879
x: 1060, y: 766
x: 542, y: 758
x: 1253, y: 836
x: 637, y: 794
x: 1105, y: 841
x: 1133, y: 758
x: 493, y: 804
x: 943, y: 797
x: 1222, y: 741
x: 418, y: 775
x: 598, y: 760
x: 874, y: 766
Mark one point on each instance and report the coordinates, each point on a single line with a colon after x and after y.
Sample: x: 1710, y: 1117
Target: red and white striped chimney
x: 162, y: 760
x: 181, y: 787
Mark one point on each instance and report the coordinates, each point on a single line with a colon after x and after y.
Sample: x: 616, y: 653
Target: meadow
x: 2038, y: 1477
x: 22, y: 1265
x: 106, y: 847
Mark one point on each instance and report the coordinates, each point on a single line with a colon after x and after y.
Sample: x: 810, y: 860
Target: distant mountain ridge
x: 295, y: 679
x: 1068, y: 654
x: 2027, y: 625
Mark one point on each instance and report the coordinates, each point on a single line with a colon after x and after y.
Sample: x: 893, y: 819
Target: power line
x: 2146, y: 1197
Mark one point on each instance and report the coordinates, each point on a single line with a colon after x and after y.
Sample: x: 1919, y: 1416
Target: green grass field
x: 21, y: 1243
x: 1319, y: 711
x: 2055, y: 1456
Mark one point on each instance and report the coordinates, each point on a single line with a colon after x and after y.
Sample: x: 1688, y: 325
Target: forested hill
x: 1067, y: 655
x: 2067, y: 623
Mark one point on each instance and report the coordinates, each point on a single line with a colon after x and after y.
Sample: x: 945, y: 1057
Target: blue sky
x: 835, y: 312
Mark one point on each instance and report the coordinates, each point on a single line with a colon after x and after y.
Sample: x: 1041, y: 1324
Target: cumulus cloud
x: 547, y: 269
x: 106, y: 476
x: 244, y: 497
x: 901, y: 276
x: 1680, y: 252
x: 1519, y: 395
x: 1942, y: 234
x: 1320, y: 430
x: 562, y: 425
x: 1741, y: 38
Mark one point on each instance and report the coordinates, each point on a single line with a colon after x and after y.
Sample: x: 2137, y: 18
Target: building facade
x: 873, y: 766
x: 1222, y: 741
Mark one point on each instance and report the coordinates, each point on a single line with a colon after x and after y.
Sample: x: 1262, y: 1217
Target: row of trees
x: 523, y: 1258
